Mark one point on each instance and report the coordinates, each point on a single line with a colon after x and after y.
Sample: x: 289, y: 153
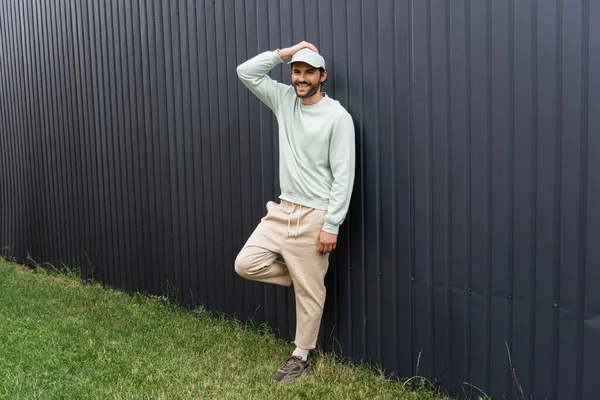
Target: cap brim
x: 305, y: 62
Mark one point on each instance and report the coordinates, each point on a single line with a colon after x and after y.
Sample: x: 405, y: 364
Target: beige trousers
x: 290, y: 230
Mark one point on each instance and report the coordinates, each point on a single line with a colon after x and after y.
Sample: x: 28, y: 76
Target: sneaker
x: 292, y: 368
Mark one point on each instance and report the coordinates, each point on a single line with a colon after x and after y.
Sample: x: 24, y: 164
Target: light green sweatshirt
x: 316, y: 143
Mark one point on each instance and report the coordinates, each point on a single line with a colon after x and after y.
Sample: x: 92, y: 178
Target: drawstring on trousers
x: 297, y: 220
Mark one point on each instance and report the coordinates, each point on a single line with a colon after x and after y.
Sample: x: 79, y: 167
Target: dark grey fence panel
x: 130, y: 150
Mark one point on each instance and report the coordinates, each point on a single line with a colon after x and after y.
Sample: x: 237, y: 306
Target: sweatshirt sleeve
x: 342, y: 163
x: 253, y: 74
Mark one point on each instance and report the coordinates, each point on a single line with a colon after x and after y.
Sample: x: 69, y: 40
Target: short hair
x: 322, y: 70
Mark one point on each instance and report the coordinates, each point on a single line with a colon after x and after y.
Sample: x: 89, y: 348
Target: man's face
x: 306, y: 79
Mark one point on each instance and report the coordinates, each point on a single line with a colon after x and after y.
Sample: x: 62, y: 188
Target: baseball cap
x: 310, y: 57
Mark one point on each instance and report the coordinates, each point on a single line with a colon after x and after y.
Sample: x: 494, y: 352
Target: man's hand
x: 287, y: 53
x: 326, y: 242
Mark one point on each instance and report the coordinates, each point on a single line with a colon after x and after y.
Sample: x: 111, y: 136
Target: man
x: 317, y: 156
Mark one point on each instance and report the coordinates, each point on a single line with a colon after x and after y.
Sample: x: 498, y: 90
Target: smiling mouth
x: 302, y: 85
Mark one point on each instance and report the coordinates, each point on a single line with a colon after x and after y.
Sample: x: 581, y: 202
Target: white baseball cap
x: 310, y: 57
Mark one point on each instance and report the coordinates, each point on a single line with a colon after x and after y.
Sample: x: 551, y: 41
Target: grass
x: 63, y: 339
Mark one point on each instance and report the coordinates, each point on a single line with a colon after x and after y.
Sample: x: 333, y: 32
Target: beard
x: 312, y: 89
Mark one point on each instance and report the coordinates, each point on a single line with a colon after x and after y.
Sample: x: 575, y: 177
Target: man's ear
x: 323, y: 76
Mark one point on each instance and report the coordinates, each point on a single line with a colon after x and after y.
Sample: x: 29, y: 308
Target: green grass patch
x: 63, y: 339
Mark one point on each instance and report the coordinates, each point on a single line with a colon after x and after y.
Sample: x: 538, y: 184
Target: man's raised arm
x: 254, y: 73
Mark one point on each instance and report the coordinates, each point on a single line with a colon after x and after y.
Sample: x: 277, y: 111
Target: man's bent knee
x: 242, y: 265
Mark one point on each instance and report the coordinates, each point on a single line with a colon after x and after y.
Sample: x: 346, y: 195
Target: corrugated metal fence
x: 129, y: 149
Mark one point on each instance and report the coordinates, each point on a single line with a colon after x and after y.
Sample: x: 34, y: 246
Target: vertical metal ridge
x: 170, y: 11
x: 143, y: 138
x: 349, y: 252
x: 103, y: 122
x: 41, y: 227
x: 34, y: 182
x: 202, y: 277
x: 116, y: 134
x: 181, y: 171
x: 32, y: 225
x: 378, y: 200
x: 91, y: 86
x: 4, y: 118
x: 262, y: 158
x: 429, y: 191
x: 72, y: 181
x: 66, y: 184
x: 171, y: 147
x: 236, y: 83
x: 44, y: 106
x: 140, y: 204
x: 4, y: 138
x: 87, y: 227
x: 582, y: 249
x: 200, y: 22
x: 189, y: 175
x: 220, y: 250
x: 228, y: 232
x: 132, y: 182
x: 74, y: 166
x: 87, y: 180
x: 177, y: 136
x: 34, y: 143
x: 59, y: 239
x: 17, y: 188
x: 124, y: 243
x: 12, y: 113
x: 363, y: 272
x: 10, y: 125
x: 557, y: 197
x: 20, y: 121
x: 137, y: 205
x: 106, y: 123
x: 27, y: 128
x: 448, y: 251
x: 97, y: 256
x: 468, y: 190
x: 42, y: 39
x: 148, y: 127
x: 411, y: 167
x: 6, y: 77
x: 85, y: 222
x: 24, y: 134
x: 61, y: 138
x: 55, y: 211
x: 79, y: 212
x: 165, y: 153
x: 106, y: 127
x: 156, y: 127
x: 210, y: 118
x: 510, y: 197
x: 28, y: 177
x: 248, y: 107
x: 44, y: 101
x: 534, y: 186
x: 15, y: 128
x: 395, y: 194
x: 488, y: 190
x: 130, y: 236
x: 115, y: 205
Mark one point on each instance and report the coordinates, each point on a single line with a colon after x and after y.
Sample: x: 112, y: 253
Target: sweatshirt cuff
x: 330, y: 228
x: 275, y: 57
